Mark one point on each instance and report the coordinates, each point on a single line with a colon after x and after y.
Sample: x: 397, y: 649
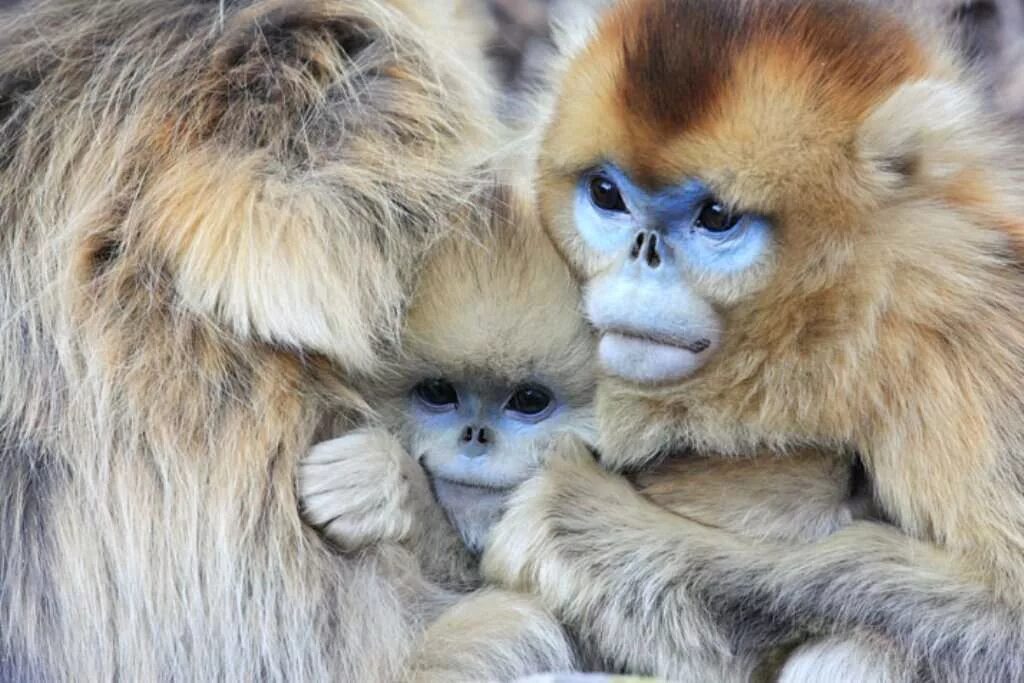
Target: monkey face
x: 479, y: 438
x: 662, y: 259
x: 498, y: 361
x: 481, y: 434
x: 673, y: 203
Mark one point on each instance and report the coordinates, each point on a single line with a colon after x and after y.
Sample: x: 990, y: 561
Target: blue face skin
x: 664, y: 252
x: 478, y: 440
x: 690, y: 232
x: 482, y: 439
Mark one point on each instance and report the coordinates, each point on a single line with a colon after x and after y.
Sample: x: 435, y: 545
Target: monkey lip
x: 647, y: 358
x: 658, y: 339
x: 469, y: 482
x: 474, y: 485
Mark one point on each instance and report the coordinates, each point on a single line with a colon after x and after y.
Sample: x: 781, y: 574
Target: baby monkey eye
x: 604, y: 193
x: 715, y: 217
x: 436, y: 393
x: 530, y: 400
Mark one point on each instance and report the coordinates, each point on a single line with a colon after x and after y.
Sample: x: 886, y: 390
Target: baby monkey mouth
x: 471, y: 484
x: 482, y: 484
x: 698, y: 345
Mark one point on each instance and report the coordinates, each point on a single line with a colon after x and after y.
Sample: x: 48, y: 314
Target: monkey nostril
x: 645, y: 246
x: 483, y: 435
x: 652, y: 256
x: 638, y: 244
x: 467, y: 434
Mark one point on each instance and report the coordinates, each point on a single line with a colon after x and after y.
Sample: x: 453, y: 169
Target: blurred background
x: 992, y: 32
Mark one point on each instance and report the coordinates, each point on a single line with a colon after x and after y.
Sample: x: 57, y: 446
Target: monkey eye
x: 716, y: 217
x: 530, y: 400
x: 436, y: 394
x: 605, y: 194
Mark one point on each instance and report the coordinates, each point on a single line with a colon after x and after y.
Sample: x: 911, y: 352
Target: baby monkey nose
x: 480, y: 436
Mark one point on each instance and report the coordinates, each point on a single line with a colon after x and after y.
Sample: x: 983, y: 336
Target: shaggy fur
x: 211, y: 216
x: 887, y: 323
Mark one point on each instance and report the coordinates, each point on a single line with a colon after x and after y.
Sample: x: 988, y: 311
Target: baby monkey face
x: 482, y: 436
x: 479, y: 440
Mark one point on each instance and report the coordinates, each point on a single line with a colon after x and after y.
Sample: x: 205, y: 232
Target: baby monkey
x: 499, y: 361
x: 502, y: 362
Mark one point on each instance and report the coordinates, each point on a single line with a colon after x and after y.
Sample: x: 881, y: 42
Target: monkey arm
x: 804, y: 496
x: 650, y: 590
x: 559, y: 541
x: 437, y: 544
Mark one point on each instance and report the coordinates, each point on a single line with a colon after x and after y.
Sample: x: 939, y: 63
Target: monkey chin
x: 472, y: 509
x: 646, y: 360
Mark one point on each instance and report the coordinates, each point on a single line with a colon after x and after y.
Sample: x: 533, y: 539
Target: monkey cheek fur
x: 647, y: 361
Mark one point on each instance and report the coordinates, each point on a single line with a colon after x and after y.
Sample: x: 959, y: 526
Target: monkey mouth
x: 437, y: 475
x: 647, y: 357
x: 698, y: 345
x: 475, y: 485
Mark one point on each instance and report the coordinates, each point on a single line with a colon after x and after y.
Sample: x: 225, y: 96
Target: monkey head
x: 500, y: 362
x: 765, y: 201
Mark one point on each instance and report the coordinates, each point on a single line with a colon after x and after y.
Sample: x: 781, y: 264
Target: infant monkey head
x: 500, y: 362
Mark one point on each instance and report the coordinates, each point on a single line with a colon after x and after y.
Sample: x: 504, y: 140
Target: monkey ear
x: 573, y: 24
x: 925, y: 132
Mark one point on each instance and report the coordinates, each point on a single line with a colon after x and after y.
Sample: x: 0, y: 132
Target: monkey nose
x: 475, y: 440
x: 647, y: 248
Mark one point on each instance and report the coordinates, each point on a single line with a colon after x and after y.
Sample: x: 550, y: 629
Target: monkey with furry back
x: 500, y: 365
x: 796, y: 226
x: 211, y: 217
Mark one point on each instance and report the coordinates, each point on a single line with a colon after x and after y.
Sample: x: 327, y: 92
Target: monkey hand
x: 552, y: 520
x: 360, y: 489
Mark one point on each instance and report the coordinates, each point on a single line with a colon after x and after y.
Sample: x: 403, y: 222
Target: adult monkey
x: 210, y: 218
x: 797, y: 226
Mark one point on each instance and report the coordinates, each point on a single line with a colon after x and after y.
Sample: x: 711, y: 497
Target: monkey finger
x: 366, y: 527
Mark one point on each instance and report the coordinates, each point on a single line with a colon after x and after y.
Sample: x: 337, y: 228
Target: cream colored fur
x: 212, y: 215
x: 505, y: 306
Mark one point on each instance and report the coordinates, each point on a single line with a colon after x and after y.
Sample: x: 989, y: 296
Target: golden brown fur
x: 803, y: 497
x: 885, y: 321
x: 211, y: 217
